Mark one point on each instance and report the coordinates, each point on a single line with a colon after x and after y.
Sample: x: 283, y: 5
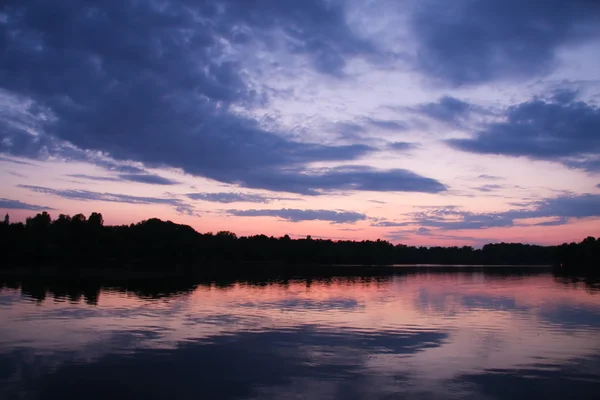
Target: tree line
x: 81, y: 241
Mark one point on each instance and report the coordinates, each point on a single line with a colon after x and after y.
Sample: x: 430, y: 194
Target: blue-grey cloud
x: 490, y: 177
x: 228, y: 198
x: 86, y: 195
x: 157, y: 91
x: 94, y: 177
x: 447, y: 109
x: 544, y: 129
x: 360, y: 178
x: 390, y: 125
x: 489, y: 188
x: 598, y: 186
x: 423, y: 231
x: 19, y: 205
x: 139, y: 178
x: 390, y: 224
x: 295, y: 215
x: 402, y: 146
x: 474, y: 41
x: 161, y: 91
x: 148, y: 178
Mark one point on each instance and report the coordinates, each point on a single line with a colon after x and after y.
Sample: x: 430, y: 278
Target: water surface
x: 417, y: 334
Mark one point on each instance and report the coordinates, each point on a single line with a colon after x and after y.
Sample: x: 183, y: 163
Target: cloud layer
x: 160, y: 90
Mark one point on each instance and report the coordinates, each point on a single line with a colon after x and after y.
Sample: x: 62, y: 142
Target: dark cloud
x: 402, y: 146
x: 598, y: 186
x: 86, y: 195
x: 390, y: 125
x: 153, y: 83
x: 541, y: 129
x: 139, y: 178
x: 447, y: 109
x: 148, y: 178
x: 235, y: 198
x: 295, y: 215
x: 342, y: 178
x: 94, y: 177
x: 556, y: 222
x: 18, y: 205
x: 475, y: 41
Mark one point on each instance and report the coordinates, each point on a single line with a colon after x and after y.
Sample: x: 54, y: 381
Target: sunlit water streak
x: 425, y: 334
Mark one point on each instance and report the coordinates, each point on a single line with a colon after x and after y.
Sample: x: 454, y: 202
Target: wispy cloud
x: 19, y: 205
x: 148, y: 179
x: 402, y: 146
x: 295, y: 215
x: 228, y: 198
x: 489, y: 188
x: 94, y: 177
x: 560, y: 208
x: 86, y: 195
x: 490, y: 177
x: 13, y: 161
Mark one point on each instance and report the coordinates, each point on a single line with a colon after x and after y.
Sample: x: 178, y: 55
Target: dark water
x: 426, y: 334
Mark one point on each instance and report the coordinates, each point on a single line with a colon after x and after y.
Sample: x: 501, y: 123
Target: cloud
x: 10, y: 160
x: 164, y: 91
x: 598, y: 186
x: 390, y: 125
x: 295, y: 215
x: 139, y: 178
x: 86, y: 195
x: 18, y: 205
x: 148, y: 178
x: 389, y: 224
x: 489, y: 188
x: 490, y: 177
x: 476, y: 41
x: 447, y: 109
x: 235, y: 198
x: 17, y: 174
x: 402, y: 146
x: 561, y: 208
x: 94, y: 177
x: 550, y: 129
x: 423, y: 231
x: 355, y: 177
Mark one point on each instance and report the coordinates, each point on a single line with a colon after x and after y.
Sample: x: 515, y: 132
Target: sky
x: 425, y: 122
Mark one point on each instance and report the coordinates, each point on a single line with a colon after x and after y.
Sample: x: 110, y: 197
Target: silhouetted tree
x: 96, y: 219
x: 78, y: 241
